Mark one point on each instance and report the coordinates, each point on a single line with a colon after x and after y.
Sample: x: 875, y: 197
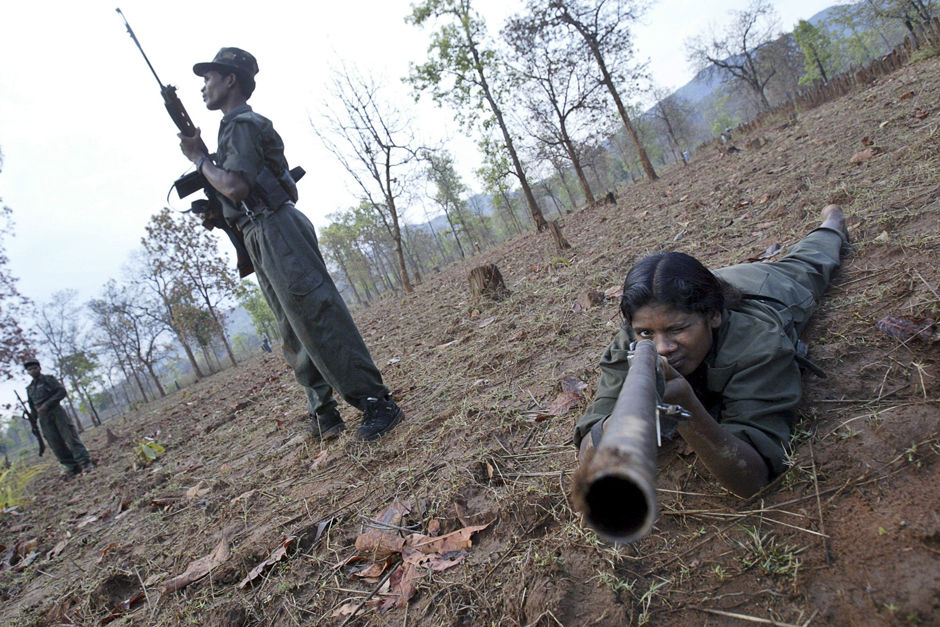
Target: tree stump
x: 560, y: 242
x: 487, y: 282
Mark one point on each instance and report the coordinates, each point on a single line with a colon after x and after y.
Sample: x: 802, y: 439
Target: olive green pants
x: 62, y: 437
x: 795, y: 283
x: 319, y: 338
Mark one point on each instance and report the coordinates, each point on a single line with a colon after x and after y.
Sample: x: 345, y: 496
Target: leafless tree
x: 559, y: 91
x: 603, y: 27
x: 735, y: 51
x: 374, y: 143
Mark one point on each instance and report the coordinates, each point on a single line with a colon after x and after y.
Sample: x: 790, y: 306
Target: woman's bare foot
x: 834, y: 219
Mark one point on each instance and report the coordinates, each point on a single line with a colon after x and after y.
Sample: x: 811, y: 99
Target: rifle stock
x: 615, y: 489
x: 211, y: 211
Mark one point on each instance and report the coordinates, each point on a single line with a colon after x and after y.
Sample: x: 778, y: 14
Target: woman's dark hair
x: 677, y: 280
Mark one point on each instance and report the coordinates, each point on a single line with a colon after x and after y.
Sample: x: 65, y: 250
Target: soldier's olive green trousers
x: 797, y: 281
x: 62, y: 437
x: 319, y: 338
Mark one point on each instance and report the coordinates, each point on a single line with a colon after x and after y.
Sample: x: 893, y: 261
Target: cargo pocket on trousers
x: 300, y: 268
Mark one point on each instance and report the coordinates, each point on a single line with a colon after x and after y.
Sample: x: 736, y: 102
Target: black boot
x: 379, y: 416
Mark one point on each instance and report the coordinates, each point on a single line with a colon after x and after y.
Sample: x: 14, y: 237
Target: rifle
x: 210, y: 209
x: 615, y: 489
x: 34, y: 427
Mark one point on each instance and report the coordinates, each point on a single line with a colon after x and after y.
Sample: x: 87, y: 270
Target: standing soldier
x: 320, y: 339
x: 44, y: 395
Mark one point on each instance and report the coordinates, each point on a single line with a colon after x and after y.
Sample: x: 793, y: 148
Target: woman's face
x: 684, y: 339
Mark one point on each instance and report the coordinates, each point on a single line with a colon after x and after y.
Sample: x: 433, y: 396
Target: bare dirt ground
x: 849, y: 536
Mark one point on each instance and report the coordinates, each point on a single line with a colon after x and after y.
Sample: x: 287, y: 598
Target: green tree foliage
x: 722, y: 115
x: 188, y: 255
x: 461, y: 71
x: 449, y: 192
x: 81, y: 368
x: 817, y: 52
x: 252, y: 300
x: 14, y: 343
x: 494, y: 175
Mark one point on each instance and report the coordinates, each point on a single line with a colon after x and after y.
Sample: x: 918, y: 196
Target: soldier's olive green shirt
x: 751, y: 366
x: 45, y: 389
x: 248, y: 142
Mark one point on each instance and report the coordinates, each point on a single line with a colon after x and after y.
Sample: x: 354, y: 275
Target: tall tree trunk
x: 221, y: 329
x: 540, y: 223
x: 73, y: 415
x: 511, y: 211
x: 156, y: 381
x: 578, y: 170
x: 608, y: 81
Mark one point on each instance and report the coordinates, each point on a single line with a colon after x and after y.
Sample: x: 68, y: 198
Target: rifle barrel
x: 130, y: 31
x: 616, y: 488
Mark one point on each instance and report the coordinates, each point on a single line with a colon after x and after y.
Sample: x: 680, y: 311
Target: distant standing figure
x: 319, y: 338
x: 266, y: 344
x: 44, y: 395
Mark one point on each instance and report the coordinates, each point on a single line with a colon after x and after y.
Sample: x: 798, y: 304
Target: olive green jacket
x: 752, y: 367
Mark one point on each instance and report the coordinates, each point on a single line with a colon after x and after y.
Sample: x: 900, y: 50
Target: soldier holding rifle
x: 44, y: 395
x: 249, y: 172
x: 728, y: 347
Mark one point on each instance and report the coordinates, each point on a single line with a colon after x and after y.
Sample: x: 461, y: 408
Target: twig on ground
x: 375, y: 591
x: 142, y: 585
x: 822, y: 524
x: 745, y: 617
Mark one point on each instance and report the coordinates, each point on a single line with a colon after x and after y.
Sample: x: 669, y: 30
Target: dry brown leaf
x: 572, y: 392
x: 57, y: 549
x: 434, y: 527
x: 319, y: 460
x: 865, y: 155
x: 198, y: 491
x: 463, y: 513
x: 453, y: 541
x: 201, y: 567
x: 376, y: 569
x: 242, y: 496
x: 346, y: 609
x: 376, y: 544
x: 278, y: 554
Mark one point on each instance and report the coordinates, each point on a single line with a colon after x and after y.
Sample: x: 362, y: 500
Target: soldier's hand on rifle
x: 193, y: 147
x: 678, y: 390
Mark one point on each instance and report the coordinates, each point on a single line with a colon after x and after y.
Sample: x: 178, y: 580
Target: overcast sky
x: 90, y: 153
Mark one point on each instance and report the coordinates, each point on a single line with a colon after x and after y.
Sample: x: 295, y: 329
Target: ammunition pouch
x: 271, y: 191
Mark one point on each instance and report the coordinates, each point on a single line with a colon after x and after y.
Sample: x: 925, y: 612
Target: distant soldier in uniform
x: 319, y: 338
x: 44, y: 395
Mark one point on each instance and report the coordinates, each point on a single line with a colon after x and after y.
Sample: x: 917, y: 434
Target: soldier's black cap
x: 229, y: 60
x: 32, y: 361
